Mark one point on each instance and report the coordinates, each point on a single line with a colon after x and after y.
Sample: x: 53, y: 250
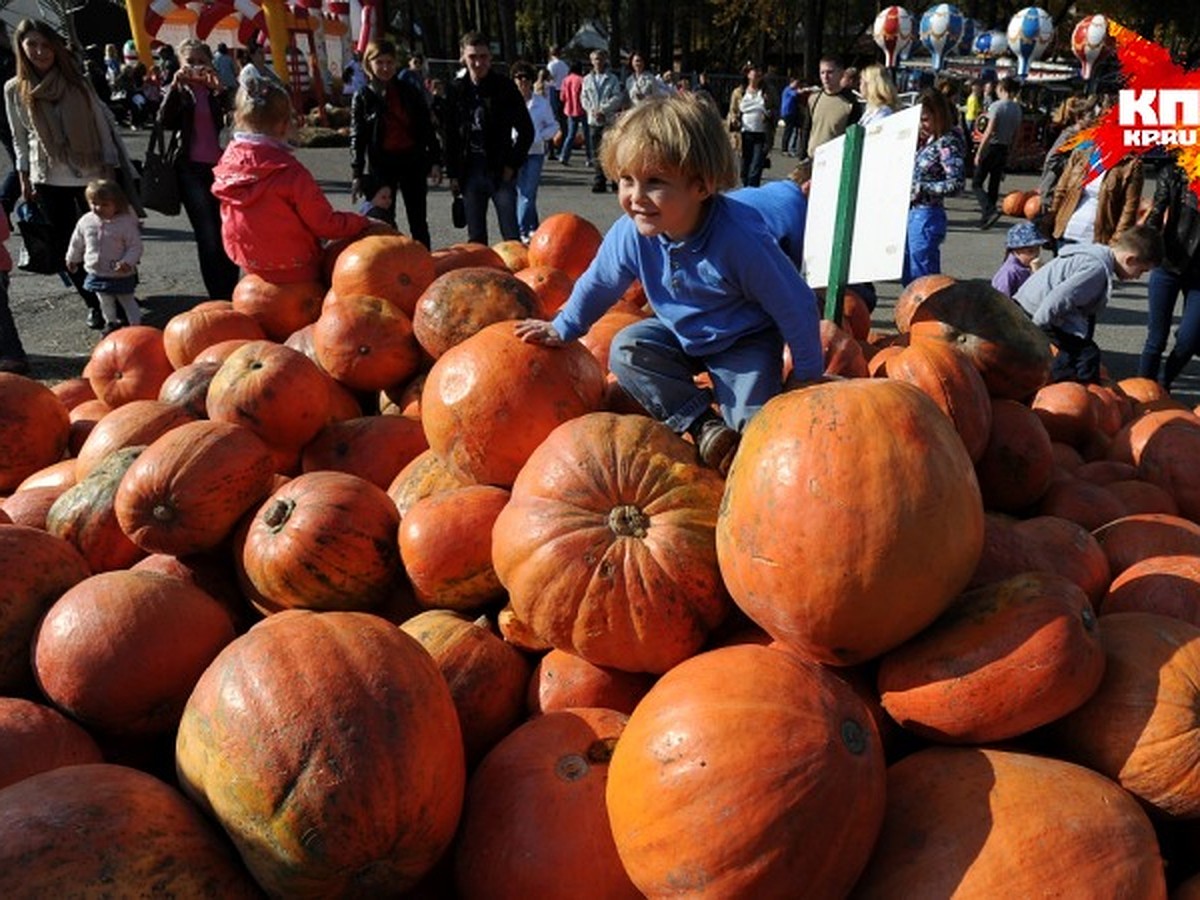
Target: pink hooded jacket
x: 273, y: 213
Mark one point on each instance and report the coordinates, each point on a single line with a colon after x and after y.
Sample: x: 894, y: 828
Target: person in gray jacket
x: 603, y: 98
x: 1065, y: 296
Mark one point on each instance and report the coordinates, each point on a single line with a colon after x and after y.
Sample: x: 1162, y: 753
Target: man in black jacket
x: 488, y: 134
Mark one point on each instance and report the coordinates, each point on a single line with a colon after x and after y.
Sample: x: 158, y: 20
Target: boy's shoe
x: 717, y: 444
x: 15, y: 365
x: 95, y: 319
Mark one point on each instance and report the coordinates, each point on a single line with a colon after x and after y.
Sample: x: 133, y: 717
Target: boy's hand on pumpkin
x: 538, y: 331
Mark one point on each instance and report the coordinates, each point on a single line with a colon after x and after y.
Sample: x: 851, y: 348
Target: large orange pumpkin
x: 121, y: 651
x: 489, y: 401
x: 1067, y: 410
x: 191, y: 331
x: 915, y: 293
x: 427, y: 474
x: 465, y: 255
x: 101, y: 830
x: 565, y: 241
x: 606, y: 547
x: 372, y: 447
x: 365, y: 343
x: 552, y: 287
x: 34, y: 427
x: 747, y: 772
x: 36, y: 738
x: 1167, y: 585
x: 1017, y: 465
x: 393, y: 267
x: 514, y: 254
x: 187, y: 387
x: 279, y: 309
x: 129, y: 364
x: 30, y: 506
x: 600, y: 336
x: 828, y: 527
x: 1169, y: 461
x: 1042, y: 544
x: 85, y: 515
x: 328, y: 747
x: 969, y: 822
x: 134, y: 424
x: 462, y: 301
x: 535, y: 809
x: 938, y: 369
x: 1131, y: 539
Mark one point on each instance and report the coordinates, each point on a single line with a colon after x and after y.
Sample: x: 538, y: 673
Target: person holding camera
x: 195, y: 105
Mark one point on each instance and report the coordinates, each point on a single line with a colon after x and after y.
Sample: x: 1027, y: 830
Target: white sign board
x: 881, y: 213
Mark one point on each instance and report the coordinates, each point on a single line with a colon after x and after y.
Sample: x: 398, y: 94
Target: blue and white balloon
x: 1030, y: 33
x: 991, y: 44
x: 941, y: 30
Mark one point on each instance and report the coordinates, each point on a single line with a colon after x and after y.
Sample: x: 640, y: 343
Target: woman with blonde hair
x: 879, y: 93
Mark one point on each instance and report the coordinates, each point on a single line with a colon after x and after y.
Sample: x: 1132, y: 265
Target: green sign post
x: 843, y: 224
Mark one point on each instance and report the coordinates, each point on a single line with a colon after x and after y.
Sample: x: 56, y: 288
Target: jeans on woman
x: 923, y: 251
x: 1164, y: 288
x: 649, y: 362
x: 754, y: 153
x: 574, y: 124
x: 218, y: 271
x: 62, y: 207
x: 527, y: 187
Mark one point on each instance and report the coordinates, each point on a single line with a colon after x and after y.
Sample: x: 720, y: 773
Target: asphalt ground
x: 51, y: 317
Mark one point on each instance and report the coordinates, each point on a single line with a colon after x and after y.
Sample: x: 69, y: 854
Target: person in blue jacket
x: 725, y: 297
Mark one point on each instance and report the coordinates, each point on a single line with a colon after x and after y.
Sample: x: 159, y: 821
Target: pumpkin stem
x: 601, y: 751
x: 571, y: 767
x: 628, y: 521
x: 278, y: 513
x: 854, y: 737
x: 163, y: 513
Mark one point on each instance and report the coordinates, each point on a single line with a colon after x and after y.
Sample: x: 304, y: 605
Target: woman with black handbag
x: 63, y: 137
x: 195, y: 104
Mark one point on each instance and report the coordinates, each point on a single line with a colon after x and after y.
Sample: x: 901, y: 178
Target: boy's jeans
x: 1078, y: 358
x: 923, y: 252
x: 649, y: 362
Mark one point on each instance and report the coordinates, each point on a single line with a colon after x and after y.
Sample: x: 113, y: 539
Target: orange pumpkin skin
x: 816, y: 787
x: 83, y: 419
x: 35, y: 738
x: 446, y: 547
x: 130, y: 364
x: 958, y: 817
x: 34, y: 427
x: 213, y: 573
x: 1067, y: 410
x: 599, y: 337
x: 611, y: 522
x: 31, y: 505
x: 1003, y: 660
x: 1140, y: 727
x: 260, y: 736
x: 135, y: 424
x: 188, y: 489
x: 1129, y: 443
x: 565, y: 241
x: 1017, y: 465
x: 279, y: 309
x: 951, y: 382
x: 551, y: 286
x: 191, y: 331
x: 1042, y: 544
x: 103, y: 830
x: 818, y: 557
x: 424, y: 476
x: 372, y: 447
x: 465, y: 255
x: 486, y: 675
x: 187, y: 387
x: 535, y: 808
x: 563, y: 680
x: 843, y: 355
x: 324, y: 540
x: 121, y: 651
x: 393, y: 267
x: 914, y: 295
x: 1133, y: 538
x: 220, y: 352
x: 38, y: 569
x: 1139, y: 496
x: 276, y: 392
x: 1091, y: 505
x: 1013, y: 203
x: 1031, y: 209
x: 59, y: 474
x: 489, y: 401
x: 517, y: 632
x: 1167, y: 585
x: 365, y: 343
x: 84, y: 515
x: 462, y: 301
x: 73, y: 391
x: 514, y: 255
x: 1169, y: 461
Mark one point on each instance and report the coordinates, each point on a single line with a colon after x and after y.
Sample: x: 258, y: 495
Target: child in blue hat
x: 1023, y: 252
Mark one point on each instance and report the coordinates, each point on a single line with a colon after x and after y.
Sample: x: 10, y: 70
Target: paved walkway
x: 51, y: 318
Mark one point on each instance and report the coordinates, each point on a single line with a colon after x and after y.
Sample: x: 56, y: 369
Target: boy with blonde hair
x: 725, y: 297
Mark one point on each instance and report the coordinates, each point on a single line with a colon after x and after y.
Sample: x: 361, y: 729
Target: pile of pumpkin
x: 937, y: 631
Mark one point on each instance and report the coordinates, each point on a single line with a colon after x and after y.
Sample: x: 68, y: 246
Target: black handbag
x: 37, y: 237
x: 160, y: 181
x: 458, y: 212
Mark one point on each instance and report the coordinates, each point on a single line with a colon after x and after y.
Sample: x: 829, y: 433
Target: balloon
x: 966, y: 44
x: 1030, y: 33
x: 893, y: 32
x: 941, y: 29
x: 1091, y: 42
x: 991, y: 44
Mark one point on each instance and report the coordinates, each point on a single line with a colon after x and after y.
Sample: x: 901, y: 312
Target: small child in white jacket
x: 108, y: 243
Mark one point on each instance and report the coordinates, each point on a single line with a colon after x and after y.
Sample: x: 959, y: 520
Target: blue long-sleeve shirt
x: 784, y: 208
x: 727, y: 280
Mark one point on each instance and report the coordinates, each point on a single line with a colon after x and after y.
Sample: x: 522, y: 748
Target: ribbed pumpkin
x: 104, y: 831
x: 562, y: 680
x: 188, y: 489
x: 324, y: 540
x: 85, y: 515
x: 487, y: 676
x: 393, y: 267
x: 121, y: 651
x: 1042, y: 544
x: 1141, y: 727
x: 746, y: 772
x: 279, y: 309
x: 839, y: 500
x: 1017, y: 465
x: 129, y: 364
x: 565, y: 241
x: 489, y: 401
x: 1131, y: 539
x: 462, y: 301
x: 606, y: 547
x: 446, y: 547
x: 327, y: 746
x: 36, y: 738
x: 970, y: 822
x: 191, y: 331
x: 535, y: 809
x: 551, y: 286
x: 34, y: 427
x: 134, y: 424
x: 1167, y: 585
x: 1003, y: 660
x: 366, y: 343
x: 426, y: 475
x: 372, y: 447
x: 38, y: 569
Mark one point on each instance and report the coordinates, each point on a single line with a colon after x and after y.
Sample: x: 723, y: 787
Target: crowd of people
x: 716, y: 248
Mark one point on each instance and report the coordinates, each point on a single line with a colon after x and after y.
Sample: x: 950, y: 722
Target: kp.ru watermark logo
x: 1153, y: 117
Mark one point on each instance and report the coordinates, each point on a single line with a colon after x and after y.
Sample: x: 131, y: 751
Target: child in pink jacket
x: 274, y: 216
